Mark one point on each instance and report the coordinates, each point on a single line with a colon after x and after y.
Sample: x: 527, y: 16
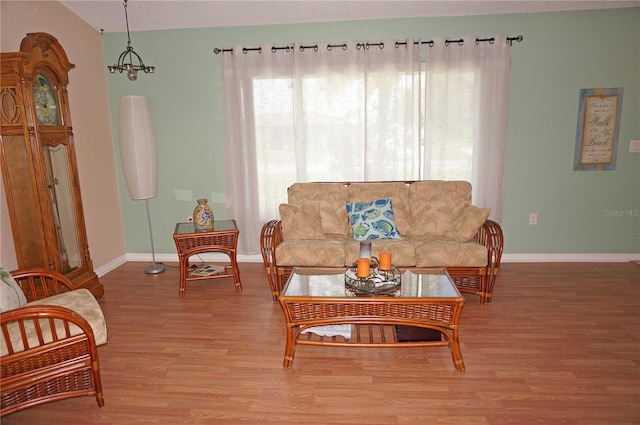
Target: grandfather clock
x: 38, y: 161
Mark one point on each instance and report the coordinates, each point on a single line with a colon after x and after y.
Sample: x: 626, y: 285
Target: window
x: 331, y: 130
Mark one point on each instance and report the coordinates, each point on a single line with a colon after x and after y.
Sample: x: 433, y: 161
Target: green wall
x: 563, y: 52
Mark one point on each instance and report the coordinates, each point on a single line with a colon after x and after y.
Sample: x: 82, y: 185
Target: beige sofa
x: 437, y: 225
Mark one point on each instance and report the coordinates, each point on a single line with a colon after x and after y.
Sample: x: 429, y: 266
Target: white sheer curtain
x: 466, y: 116
x: 361, y: 112
x: 240, y: 74
x: 331, y: 113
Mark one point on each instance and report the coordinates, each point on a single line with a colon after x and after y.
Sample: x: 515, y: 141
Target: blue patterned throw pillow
x: 372, y: 220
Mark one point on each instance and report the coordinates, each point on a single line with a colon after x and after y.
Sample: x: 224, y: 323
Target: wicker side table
x: 223, y: 238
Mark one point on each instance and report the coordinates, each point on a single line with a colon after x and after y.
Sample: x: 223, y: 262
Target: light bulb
x: 132, y: 74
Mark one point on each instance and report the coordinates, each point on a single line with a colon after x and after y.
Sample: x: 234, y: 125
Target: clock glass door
x: 61, y: 199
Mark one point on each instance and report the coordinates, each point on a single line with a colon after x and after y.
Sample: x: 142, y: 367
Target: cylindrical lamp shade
x: 138, y: 147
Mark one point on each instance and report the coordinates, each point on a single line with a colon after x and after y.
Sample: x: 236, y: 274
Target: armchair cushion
x: 81, y: 301
x: 11, y: 295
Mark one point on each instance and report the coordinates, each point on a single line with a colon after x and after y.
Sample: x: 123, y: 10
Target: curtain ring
x: 368, y: 45
x: 331, y: 46
x: 490, y: 40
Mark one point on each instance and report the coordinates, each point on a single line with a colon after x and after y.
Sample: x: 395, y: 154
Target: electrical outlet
x: 190, y: 219
x: 533, y: 218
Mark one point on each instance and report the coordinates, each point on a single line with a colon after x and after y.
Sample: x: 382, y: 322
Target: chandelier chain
x: 131, y: 68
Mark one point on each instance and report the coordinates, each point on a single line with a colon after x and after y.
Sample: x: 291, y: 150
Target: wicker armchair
x: 48, y: 350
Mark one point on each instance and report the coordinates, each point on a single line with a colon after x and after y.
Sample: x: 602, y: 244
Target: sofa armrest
x: 38, y: 283
x: 270, y: 238
x: 490, y: 235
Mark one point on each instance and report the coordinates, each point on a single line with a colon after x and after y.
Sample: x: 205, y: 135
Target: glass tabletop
x: 218, y: 226
x: 436, y: 284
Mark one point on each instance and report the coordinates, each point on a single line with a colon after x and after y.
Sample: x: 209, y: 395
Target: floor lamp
x: 139, y: 161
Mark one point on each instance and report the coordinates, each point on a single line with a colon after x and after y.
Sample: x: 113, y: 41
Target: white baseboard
x: 111, y: 265
x: 506, y: 258
x: 569, y: 258
x: 207, y: 256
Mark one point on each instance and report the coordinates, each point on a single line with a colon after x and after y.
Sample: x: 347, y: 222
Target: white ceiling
x: 108, y: 15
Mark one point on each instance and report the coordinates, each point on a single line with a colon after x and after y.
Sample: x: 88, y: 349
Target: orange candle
x: 385, y: 261
x: 363, y: 267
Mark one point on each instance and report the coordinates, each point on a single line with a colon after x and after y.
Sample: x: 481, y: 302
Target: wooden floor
x: 560, y: 344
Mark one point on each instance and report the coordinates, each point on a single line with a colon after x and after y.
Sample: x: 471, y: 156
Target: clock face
x: 45, y: 98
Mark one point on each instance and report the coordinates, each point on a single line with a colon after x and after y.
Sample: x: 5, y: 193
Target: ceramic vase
x: 203, y: 216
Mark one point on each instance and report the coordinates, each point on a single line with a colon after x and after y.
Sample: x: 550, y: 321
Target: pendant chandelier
x: 126, y: 58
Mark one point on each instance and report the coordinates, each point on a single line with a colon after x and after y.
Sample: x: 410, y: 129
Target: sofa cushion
x: 331, y: 197
x: 11, y: 294
x: 468, y: 223
x: 403, y: 253
x: 397, y: 191
x: 312, y: 253
x: 301, y: 221
x: 436, y: 204
x: 372, y: 220
x: 440, y: 252
x: 80, y: 301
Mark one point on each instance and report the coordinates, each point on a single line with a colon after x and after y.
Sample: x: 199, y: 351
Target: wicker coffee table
x: 427, y: 300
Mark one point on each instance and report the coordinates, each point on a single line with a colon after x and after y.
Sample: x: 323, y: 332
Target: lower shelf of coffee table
x: 374, y: 335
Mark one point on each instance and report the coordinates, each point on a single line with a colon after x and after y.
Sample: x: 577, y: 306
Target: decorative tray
x: 378, y: 283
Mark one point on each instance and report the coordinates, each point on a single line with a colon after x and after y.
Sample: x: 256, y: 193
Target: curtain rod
x: 359, y: 46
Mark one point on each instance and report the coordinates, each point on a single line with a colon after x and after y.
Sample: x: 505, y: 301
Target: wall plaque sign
x: 598, y: 127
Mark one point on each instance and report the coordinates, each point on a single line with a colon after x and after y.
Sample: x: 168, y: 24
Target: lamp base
x: 155, y: 268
